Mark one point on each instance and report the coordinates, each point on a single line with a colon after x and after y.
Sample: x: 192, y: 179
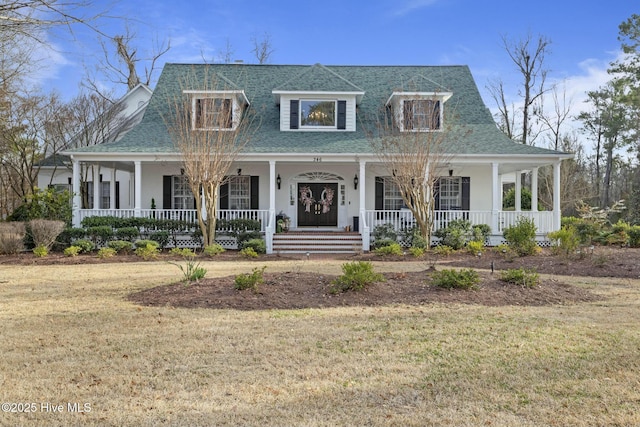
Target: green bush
x: 144, y: 243
x: 250, y: 280
x: 383, y: 243
x: 443, y: 250
x: 148, y: 252
x: 127, y: 233
x: 509, y: 199
x: 634, y: 236
x: 182, y: 252
x: 258, y: 245
x: 416, y: 251
x: 120, y: 246
x: 84, y: 244
x: 191, y: 270
x: 249, y: 253
x: 475, y: 247
x: 456, y: 279
x: 243, y: 237
x: 520, y: 276
x: 100, y: 234
x: 459, y: 232
x: 565, y: 241
x: 72, y: 251
x: 40, y: 251
x: 106, y: 253
x: 521, y: 237
x: 355, y: 276
x: 45, y: 204
x: 213, y: 250
x: 161, y: 238
x: 384, y: 232
x: 391, y: 249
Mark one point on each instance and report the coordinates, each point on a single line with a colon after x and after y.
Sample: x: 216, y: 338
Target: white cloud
x: 411, y: 5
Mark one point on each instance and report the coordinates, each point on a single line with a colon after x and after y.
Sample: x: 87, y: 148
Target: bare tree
x: 209, y: 133
x: 262, y: 48
x: 529, y: 58
x: 414, y: 155
x: 553, y: 121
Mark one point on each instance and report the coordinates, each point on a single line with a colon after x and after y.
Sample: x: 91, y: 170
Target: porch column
x: 271, y: 226
x: 518, y: 198
x: 96, y: 186
x: 137, y: 204
x: 496, y: 199
x: 364, y: 227
x: 75, y: 188
x: 556, y: 196
x: 534, y: 190
x: 112, y: 188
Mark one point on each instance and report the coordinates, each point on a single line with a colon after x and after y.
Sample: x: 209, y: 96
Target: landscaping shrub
x: 72, y: 251
x: 67, y: 237
x: 390, y: 249
x: 382, y: 243
x: 45, y: 204
x: 84, y: 245
x: 412, y: 238
x: 456, y: 279
x: 509, y: 199
x: 45, y: 232
x: 521, y: 237
x: 191, y: 270
x: 213, y: 250
x: 182, y: 252
x: 147, y: 252
x: 250, y: 280
x: 120, y: 246
x: 384, y: 232
x: 12, y: 237
x: 258, y: 245
x: 127, y: 233
x: 100, y: 234
x: 565, y: 241
x: 249, y: 252
x: 355, y: 276
x: 475, y: 247
x: 443, y: 250
x: 634, y: 236
x: 161, y: 238
x: 106, y: 253
x: 145, y: 243
x: 520, y: 276
x: 245, y: 236
x: 416, y: 251
x: 459, y: 232
x: 40, y: 251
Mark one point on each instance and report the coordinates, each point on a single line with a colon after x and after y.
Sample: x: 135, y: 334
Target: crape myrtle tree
x: 413, y: 150
x: 209, y: 133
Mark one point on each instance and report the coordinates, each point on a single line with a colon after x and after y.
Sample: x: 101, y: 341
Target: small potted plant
x: 282, y: 222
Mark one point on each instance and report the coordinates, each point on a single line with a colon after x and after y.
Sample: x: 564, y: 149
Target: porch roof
x: 475, y: 133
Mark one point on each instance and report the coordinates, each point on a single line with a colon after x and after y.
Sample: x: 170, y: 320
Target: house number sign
x: 317, y: 159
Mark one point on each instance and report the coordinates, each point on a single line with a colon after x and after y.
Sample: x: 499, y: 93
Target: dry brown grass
x: 70, y: 335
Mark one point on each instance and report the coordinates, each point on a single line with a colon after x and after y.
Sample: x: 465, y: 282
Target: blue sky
x: 583, y: 35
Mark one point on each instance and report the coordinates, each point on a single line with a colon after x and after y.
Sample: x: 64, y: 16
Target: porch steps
x: 317, y: 242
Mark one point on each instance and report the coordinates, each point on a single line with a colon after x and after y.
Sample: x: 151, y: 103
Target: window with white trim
x: 450, y: 193
x: 181, y: 193
x: 211, y: 113
x: 105, y: 195
x: 316, y: 113
x: 421, y: 114
x: 392, y: 196
x: 240, y: 192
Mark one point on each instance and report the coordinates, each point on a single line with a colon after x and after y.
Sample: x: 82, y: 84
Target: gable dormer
x: 216, y: 109
x: 418, y: 106
x: 318, y: 99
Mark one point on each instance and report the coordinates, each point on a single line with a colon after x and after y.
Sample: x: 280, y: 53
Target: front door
x: 317, y: 205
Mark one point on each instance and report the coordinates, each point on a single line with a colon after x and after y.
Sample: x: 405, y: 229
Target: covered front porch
x: 337, y: 193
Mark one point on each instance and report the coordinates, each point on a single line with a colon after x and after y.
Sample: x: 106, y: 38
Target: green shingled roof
x: 478, y: 133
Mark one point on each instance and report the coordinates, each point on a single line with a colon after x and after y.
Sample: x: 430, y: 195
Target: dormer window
x: 212, y: 113
x: 418, y: 111
x: 421, y: 114
x: 216, y: 110
x: 317, y: 113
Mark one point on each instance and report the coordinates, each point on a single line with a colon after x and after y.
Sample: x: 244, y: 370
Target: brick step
x: 317, y: 242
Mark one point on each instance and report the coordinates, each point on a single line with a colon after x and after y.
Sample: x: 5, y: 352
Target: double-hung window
x: 181, y: 193
x: 450, y: 189
x: 240, y: 192
x: 421, y: 114
x: 212, y: 113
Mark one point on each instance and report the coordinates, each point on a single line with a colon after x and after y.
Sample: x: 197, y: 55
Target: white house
x: 310, y: 157
x: 107, y: 186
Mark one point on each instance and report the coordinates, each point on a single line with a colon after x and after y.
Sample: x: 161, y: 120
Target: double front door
x: 317, y: 205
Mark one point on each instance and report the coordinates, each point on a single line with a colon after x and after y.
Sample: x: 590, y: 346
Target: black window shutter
x: 228, y: 114
x: 436, y: 194
x: 293, y: 115
x: 342, y: 114
x: 255, y: 190
x: 117, y: 194
x: 407, y: 111
x: 166, y: 192
x: 198, y: 120
x: 436, y: 115
x: 379, y: 193
x: 224, y: 196
x: 466, y: 193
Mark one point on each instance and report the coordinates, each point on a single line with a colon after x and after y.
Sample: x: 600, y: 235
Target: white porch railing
x: 404, y: 219
x: 187, y: 215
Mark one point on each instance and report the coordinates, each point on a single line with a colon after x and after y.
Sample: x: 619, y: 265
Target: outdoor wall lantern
x: 355, y: 182
x: 450, y: 172
x: 239, y: 171
x: 279, y: 181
